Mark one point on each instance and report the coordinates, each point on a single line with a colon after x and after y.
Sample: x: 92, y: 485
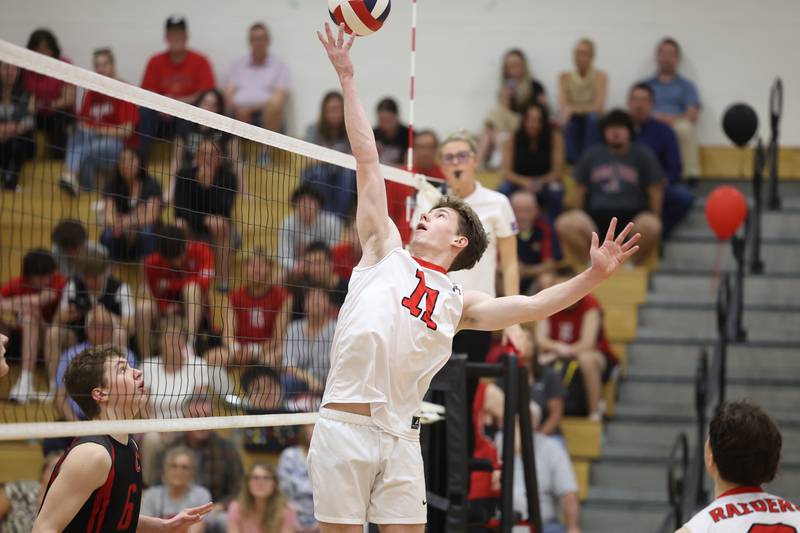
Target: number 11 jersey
x: 394, y: 333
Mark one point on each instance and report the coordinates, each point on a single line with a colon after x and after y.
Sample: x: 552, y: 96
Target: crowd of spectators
x: 275, y: 336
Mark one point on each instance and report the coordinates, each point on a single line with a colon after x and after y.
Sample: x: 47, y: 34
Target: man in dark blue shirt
x: 661, y: 139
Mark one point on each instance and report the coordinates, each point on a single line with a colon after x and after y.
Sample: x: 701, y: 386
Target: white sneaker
x: 45, y: 397
x: 69, y: 184
x: 21, y: 391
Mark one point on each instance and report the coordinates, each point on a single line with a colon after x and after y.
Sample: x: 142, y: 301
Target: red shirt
x: 480, y: 484
x: 20, y: 286
x: 255, y: 315
x: 102, y: 110
x: 166, y: 282
x: 190, y: 76
x: 44, y: 88
x: 344, y: 259
x: 565, y: 326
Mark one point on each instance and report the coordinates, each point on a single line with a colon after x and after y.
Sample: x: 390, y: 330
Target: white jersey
x: 395, y: 331
x: 497, y: 217
x: 746, y: 509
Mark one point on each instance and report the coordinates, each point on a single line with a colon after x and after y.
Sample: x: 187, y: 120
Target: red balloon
x: 726, y: 210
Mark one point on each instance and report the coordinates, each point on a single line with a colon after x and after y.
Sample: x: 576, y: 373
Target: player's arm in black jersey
x: 376, y: 231
x: 84, y: 470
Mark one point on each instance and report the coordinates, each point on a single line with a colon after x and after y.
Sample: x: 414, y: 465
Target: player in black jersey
x: 97, y: 485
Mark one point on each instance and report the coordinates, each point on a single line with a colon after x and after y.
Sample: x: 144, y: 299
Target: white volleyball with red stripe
x: 362, y: 17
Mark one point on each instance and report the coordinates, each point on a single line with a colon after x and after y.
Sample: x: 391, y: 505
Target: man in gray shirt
x: 617, y: 179
x: 307, y: 223
x: 307, y: 348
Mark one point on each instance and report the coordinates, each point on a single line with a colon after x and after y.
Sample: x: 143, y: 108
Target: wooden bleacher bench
x: 583, y: 436
x: 581, y: 469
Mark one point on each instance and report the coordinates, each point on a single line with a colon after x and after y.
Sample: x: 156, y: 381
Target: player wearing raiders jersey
x: 742, y: 453
x: 97, y: 484
x: 395, y: 331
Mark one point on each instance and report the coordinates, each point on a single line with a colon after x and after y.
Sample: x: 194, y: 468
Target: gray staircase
x: 628, y: 487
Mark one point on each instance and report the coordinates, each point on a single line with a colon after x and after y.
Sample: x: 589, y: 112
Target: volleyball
x: 362, y: 17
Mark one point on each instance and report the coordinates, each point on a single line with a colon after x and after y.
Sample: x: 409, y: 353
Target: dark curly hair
x: 85, y: 373
x: 746, y: 444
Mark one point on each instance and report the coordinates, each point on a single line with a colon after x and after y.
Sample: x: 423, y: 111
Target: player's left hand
x: 606, y: 259
x: 182, y: 521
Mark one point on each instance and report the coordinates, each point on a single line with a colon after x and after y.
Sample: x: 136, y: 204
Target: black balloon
x: 740, y: 123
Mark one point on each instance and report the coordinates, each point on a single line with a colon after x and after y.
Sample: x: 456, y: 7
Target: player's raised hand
x: 338, y: 50
x: 607, y: 258
x: 182, y: 521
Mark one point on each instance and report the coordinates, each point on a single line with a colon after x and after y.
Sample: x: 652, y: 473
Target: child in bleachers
x: 258, y: 312
x: 577, y: 334
x: 69, y: 241
x: 91, y: 287
x: 178, y: 277
x: 32, y: 299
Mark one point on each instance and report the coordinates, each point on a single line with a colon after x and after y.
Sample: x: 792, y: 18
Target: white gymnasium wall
x: 733, y: 48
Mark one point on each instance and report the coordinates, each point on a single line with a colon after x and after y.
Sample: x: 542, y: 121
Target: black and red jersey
x: 114, y: 506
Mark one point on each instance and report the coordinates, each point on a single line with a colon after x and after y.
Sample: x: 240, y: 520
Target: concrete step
x: 744, y: 362
x: 632, y: 452
x: 774, y: 225
x: 617, y: 518
x: 787, y: 189
x: 678, y: 398
x: 645, y: 413
x: 702, y: 257
x: 687, y: 322
x: 689, y: 288
x: 651, y: 478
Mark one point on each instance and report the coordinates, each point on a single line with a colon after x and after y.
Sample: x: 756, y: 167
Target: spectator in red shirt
x: 399, y: 196
x: 178, y: 276
x: 259, y: 312
x: 179, y: 73
x: 55, y: 100
x: 32, y: 298
x: 534, y: 242
x: 106, y: 124
x: 347, y: 253
x: 577, y: 333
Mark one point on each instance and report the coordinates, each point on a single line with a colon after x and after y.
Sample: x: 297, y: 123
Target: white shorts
x: 360, y: 473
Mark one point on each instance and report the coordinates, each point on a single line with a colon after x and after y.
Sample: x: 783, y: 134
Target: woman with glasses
x: 261, y: 507
x: 178, y: 491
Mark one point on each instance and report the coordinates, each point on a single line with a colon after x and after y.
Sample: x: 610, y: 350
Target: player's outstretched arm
x: 483, y: 312
x: 180, y: 523
x: 376, y: 231
x: 84, y: 470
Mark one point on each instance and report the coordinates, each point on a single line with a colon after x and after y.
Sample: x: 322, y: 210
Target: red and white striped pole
x: 410, y: 162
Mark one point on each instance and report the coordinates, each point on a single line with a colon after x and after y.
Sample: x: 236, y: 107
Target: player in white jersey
x: 395, y: 331
x: 742, y: 453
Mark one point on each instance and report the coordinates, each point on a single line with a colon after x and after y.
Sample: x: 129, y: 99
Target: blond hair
x: 461, y: 136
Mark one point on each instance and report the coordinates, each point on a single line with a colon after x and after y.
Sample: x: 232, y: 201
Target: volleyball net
x: 211, y: 253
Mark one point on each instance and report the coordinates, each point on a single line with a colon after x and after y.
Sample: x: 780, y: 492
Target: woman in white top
x: 176, y: 375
